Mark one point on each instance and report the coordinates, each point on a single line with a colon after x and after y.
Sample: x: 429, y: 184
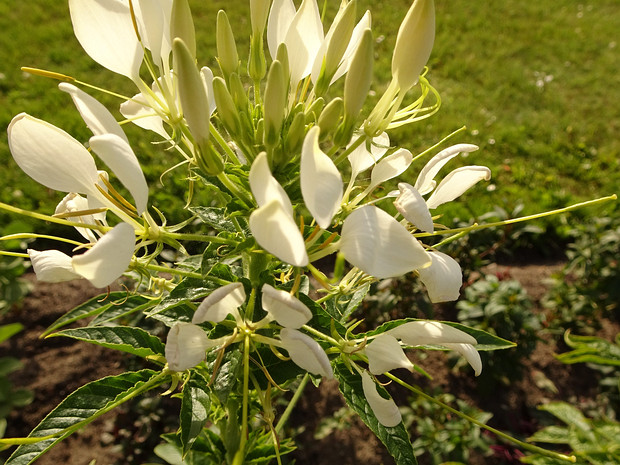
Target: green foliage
x: 587, y: 288
x: 592, y: 441
x: 502, y: 308
x: 441, y: 436
x: 12, y: 287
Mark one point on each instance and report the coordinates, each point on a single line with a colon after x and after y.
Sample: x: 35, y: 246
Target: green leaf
x: 91, y: 307
x: 342, y: 306
x: 188, y: 290
x: 568, y: 414
x: 194, y: 410
x: 590, y: 349
x: 396, y: 439
x: 228, y: 372
x: 80, y: 408
x: 551, y: 435
x: 485, y: 340
x: 9, y: 365
x: 128, y: 339
x: 133, y: 304
x: 7, y: 331
x: 180, y: 312
x: 215, y: 217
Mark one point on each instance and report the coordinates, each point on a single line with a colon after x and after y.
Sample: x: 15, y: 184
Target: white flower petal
x: 457, y: 182
x: 424, y: 184
x: 72, y: 203
x: 303, y: 40
x: 306, y: 353
x: 52, y: 266
x: 153, y: 17
x: 105, y: 31
x: 470, y: 353
x: 356, y: 38
x: 412, y: 206
x: 285, y: 308
x: 186, y: 346
x: 265, y: 187
x: 361, y: 158
x: 321, y: 183
x: 109, y: 258
x: 384, y: 354
x: 117, y: 154
x: 50, y: 156
x: 97, y: 117
x: 220, y: 303
x: 139, y: 113
x: 391, y: 166
x: 280, y: 17
x: 418, y: 333
x: 443, y: 279
x: 207, y: 78
x: 384, y: 409
x: 379, y: 245
x: 275, y: 231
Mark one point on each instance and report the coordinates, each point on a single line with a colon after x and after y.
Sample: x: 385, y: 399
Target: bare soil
x: 54, y: 367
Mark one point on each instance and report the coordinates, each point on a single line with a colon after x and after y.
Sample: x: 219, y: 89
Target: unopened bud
x: 237, y: 91
x: 226, y: 106
x: 414, y: 43
x: 295, y: 135
x: 330, y: 117
x: 315, y: 110
x: 182, y: 25
x: 259, y: 10
x: 226, y: 47
x: 275, y: 103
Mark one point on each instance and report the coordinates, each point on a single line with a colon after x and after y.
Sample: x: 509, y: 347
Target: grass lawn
x: 536, y: 84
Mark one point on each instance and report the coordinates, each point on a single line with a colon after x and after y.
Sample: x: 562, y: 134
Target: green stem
x: 246, y: 391
x: 222, y: 143
x: 234, y: 189
x: 476, y: 227
x: 11, y: 237
x: 291, y: 405
x: 198, y: 238
x: 525, y: 445
x: 185, y: 274
x: 52, y: 219
x: 320, y: 335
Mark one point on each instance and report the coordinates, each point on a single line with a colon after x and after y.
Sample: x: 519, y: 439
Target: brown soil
x: 55, y: 367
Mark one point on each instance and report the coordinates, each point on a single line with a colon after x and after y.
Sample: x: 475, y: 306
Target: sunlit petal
x: 275, y: 231
x: 443, y: 279
x: 72, y: 203
x: 424, y: 184
x: 356, y: 37
x: 379, y: 245
x: 423, y: 332
x: 391, y: 166
x: 303, y: 39
x: 106, y: 32
x: 412, y: 206
x: 384, y: 409
x: 153, y: 18
x: 384, y: 354
x: 207, y: 78
x: 285, y: 308
x: 142, y: 115
x: 50, y: 156
x: 109, y: 258
x: 186, y: 346
x: 321, y: 183
x: 280, y: 18
x: 457, y: 182
x: 220, y: 303
x: 265, y: 187
x: 361, y: 158
x: 52, y: 266
x: 306, y: 353
x: 470, y: 353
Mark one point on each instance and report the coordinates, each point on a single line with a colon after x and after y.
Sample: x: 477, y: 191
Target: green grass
x: 536, y: 84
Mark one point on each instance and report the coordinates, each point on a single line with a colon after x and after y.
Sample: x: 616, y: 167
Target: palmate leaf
x: 128, y: 339
x: 82, y: 407
x: 96, y: 306
x: 485, y: 340
x: 396, y: 439
x: 194, y: 410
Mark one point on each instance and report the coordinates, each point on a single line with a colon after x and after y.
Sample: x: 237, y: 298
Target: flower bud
x: 414, y: 43
x: 330, y: 116
x: 226, y: 106
x: 285, y: 308
x: 226, y: 47
x: 182, y: 25
x: 275, y: 104
x: 295, y: 134
x: 314, y: 111
x: 259, y: 10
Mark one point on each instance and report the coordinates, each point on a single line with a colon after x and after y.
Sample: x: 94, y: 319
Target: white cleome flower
x: 443, y: 279
x: 385, y: 354
x: 306, y: 352
x: 220, y: 303
x: 186, y: 346
x: 285, y: 308
x: 384, y: 409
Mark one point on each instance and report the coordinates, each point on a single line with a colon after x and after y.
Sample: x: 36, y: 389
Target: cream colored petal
x: 220, y: 303
x: 139, y: 113
x: 306, y: 353
x: 52, y: 266
x: 412, y: 206
x: 117, y: 154
x: 365, y: 156
x: 50, y: 156
x: 207, y: 78
x: 105, y: 31
x: 456, y: 183
x: 379, y: 245
x: 321, y: 183
x: 390, y: 167
x: 385, y: 354
x: 303, y: 40
x: 275, y: 231
x: 153, y: 18
x: 72, y: 203
x: 424, y: 184
x: 356, y: 37
x: 285, y: 308
x: 280, y: 18
x: 423, y: 332
x: 443, y: 279
x: 109, y: 258
x: 97, y: 117
x: 384, y: 409
x: 470, y: 353
x: 265, y: 187
x: 186, y: 346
